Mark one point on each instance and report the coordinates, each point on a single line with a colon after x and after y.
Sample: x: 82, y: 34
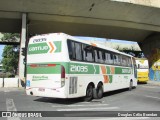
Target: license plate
x: 41, y: 89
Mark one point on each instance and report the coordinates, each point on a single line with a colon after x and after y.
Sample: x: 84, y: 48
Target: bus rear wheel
x: 89, y: 93
x: 99, y: 91
x: 130, y: 85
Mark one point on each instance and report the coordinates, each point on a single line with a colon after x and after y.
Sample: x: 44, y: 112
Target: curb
x: 156, y: 83
x: 12, y: 89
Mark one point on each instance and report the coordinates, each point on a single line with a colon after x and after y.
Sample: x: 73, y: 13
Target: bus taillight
x: 62, y: 76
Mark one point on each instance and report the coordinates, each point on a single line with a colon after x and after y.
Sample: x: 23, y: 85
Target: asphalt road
x: 145, y: 97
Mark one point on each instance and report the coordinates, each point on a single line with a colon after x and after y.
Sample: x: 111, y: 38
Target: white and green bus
x: 62, y: 66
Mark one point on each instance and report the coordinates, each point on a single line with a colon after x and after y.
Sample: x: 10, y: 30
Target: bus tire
x: 89, y: 93
x: 99, y: 91
x: 130, y: 85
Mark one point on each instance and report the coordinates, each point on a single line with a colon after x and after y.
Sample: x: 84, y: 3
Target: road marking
x: 153, y: 97
x: 88, y: 109
x: 6, y: 91
x: 80, y: 105
x: 11, y: 107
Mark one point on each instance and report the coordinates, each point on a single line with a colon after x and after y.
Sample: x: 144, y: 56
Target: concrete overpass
x: 101, y: 18
x: 133, y: 20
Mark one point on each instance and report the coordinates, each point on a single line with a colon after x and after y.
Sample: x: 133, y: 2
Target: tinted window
x: 88, y: 53
x: 109, y: 58
x: 83, y: 52
x: 78, y: 51
x: 99, y: 56
x: 71, y: 50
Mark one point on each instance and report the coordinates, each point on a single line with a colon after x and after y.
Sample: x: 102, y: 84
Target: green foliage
x: 10, y: 53
x: 10, y: 58
x: 10, y: 37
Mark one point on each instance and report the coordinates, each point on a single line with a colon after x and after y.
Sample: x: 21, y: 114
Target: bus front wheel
x: 89, y: 93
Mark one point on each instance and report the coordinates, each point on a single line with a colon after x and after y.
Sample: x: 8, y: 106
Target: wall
x: 1, y: 82
x: 155, y: 65
x: 9, y: 82
x: 151, y: 49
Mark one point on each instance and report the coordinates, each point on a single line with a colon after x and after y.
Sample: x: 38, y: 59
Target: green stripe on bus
x: 58, y: 46
x: 76, y: 68
x: 110, y: 78
x: 108, y: 70
x: 43, y: 70
x: 97, y: 67
x: 120, y: 70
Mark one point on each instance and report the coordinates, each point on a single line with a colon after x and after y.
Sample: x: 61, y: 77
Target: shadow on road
x: 77, y: 100
x: 115, y: 92
x: 142, y: 83
x: 59, y: 100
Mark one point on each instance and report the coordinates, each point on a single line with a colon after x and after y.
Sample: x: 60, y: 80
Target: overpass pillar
x: 22, y: 45
x: 151, y: 49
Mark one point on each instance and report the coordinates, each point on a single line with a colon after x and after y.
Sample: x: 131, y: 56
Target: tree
x: 10, y: 37
x: 10, y: 53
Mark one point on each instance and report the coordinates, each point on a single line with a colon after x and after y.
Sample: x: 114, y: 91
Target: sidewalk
x: 12, y: 89
x: 157, y: 83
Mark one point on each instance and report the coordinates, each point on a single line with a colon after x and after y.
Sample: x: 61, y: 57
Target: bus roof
x: 96, y: 45
x: 86, y: 42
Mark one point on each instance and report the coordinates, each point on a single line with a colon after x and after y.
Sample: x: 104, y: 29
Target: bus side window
x: 84, y: 52
x: 115, y: 59
x: 88, y: 53
x: 98, y: 56
x: 71, y: 50
x: 130, y: 63
x: 103, y: 56
x: 119, y: 59
x: 111, y: 58
x: 78, y: 50
x: 124, y: 61
x: 108, y: 58
x: 89, y: 56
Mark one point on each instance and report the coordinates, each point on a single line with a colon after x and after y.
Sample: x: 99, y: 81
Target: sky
x: 1, y: 51
x: 104, y: 39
